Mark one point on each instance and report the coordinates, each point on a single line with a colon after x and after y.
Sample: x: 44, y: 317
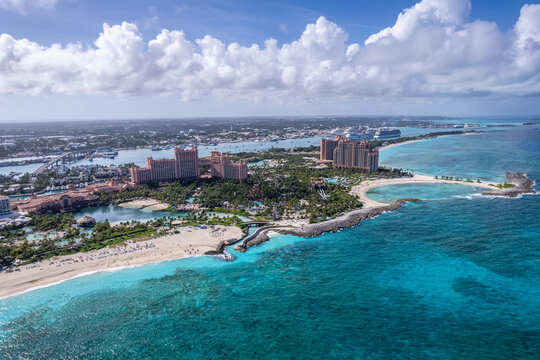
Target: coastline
x: 189, y: 242
x: 381, y: 148
x: 373, y: 208
x: 347, y: 220
x: 361, y: 190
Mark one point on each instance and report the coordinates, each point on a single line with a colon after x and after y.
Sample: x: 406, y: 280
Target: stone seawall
x: 344, y: 221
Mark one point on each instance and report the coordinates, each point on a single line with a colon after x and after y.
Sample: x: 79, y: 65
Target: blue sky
x: 338, y: 81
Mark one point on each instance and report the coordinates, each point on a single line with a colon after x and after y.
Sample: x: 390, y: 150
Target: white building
x: 5, y: 206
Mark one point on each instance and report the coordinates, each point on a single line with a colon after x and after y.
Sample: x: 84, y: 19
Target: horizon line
x: 529, y: 117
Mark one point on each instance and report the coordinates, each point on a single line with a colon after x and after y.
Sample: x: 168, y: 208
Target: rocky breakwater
x: 220, y: 249
x: 344, y: 221
x: 521, y: 185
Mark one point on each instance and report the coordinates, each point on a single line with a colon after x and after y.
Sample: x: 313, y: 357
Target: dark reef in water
x: 522, y: 185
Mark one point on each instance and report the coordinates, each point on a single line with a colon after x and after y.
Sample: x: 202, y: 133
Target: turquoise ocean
x: 456, y: 276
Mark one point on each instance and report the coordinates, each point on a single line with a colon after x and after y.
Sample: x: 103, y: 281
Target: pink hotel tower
x: 185, y: 165
x: 346, y: 153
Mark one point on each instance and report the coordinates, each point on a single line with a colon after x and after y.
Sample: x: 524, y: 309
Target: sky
x: 96, y: 59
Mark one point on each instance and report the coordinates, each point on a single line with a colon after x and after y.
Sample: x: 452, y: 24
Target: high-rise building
x: 350, y: 154
x: 140, y: 175
x: 222, y: 167
x: 163, y: 169
x: 5, y: 206
x: 185, y: 165
x: 327, y: 148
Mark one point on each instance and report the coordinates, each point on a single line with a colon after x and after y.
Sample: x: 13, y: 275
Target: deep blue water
x: 453, y: 277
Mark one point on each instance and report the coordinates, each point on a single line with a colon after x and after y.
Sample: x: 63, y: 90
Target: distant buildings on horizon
x: 185, y: 165
x: 350, y: 154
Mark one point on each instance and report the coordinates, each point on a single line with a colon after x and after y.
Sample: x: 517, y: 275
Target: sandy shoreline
x: 361, y: 190
x: 381, y: 148
x: 189, y: 242
x: 148, y: 203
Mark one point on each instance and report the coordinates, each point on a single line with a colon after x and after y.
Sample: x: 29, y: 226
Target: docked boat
x: 358, y: 135
x: 387, y: 133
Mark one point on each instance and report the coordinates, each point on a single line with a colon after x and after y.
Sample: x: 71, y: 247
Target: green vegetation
x: 104, y: 235
x: 293, y: 187
x: 175, y: 193
x: 16, y: 246
x: 505, y: 186
x: 45, y: 222
x: 284, y: 188
x: 457, y: 179
x: 377, y: 143
x: 232, y: 211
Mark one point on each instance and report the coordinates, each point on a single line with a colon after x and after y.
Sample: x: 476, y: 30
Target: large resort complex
x: 350, y: 154
x: 69, y: 201
x: 185, y: 165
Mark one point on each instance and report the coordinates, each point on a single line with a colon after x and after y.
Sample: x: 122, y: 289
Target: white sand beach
x: 189, y: 242
x: 361, y: 190
x: 381, y: 148
x: 148, y: 203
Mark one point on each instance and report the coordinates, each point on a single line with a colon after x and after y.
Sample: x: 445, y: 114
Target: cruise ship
x: 359, y: 134
x: 387, y: 133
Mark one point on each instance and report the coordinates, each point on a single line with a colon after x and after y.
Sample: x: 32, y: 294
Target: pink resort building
x: 185, y: 165
x: 350, y: 154
x: 222, y: 167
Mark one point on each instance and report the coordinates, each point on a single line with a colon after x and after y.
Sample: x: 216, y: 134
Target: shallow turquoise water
x: 430, y: 192
x: 453, y: 277
x: 485, y: 156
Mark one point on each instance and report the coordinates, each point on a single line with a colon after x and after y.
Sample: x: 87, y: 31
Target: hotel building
x: 69, y: 201
x: 65, y: 202
x: 350, y: 154
x: 222, y: 167
x: 185, y: 165
x: 5, y: 206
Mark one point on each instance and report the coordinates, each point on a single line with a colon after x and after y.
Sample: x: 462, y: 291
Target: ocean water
x: 456, y: 276
x: 425, y: 192
x: 485, y: 156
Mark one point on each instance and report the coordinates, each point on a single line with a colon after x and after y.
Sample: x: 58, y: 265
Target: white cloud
x: 447, y: 13
x: 22, y: 6
x: 433, y: 50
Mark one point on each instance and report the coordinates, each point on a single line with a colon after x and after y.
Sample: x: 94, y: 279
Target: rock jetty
x: 522, y: 185
x: 344, y: 221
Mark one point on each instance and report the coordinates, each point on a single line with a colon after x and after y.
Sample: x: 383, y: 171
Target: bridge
x: 65, y: 156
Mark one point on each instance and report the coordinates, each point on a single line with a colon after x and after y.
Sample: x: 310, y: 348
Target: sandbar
x: 147, y: 203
